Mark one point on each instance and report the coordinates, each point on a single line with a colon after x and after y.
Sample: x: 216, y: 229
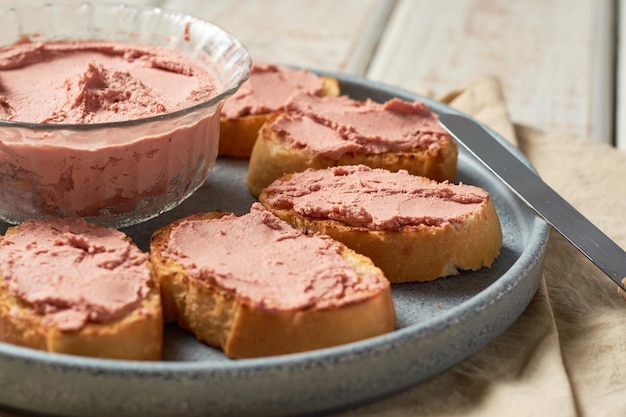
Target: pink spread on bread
x: 333, y: 126
x: 268, y: 89
x: 72, y: 273
x: 269, y: 263
x: 97, y: 82
x: 374, y: 198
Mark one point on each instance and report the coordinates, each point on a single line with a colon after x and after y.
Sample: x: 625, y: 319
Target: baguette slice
x: 320, y: 133
x: 413, y: 228
x: 222, y: 301
x: 49, y: 322
x: 238, y: 132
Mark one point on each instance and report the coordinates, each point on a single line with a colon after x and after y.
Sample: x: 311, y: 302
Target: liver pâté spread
x: 111, y: 169
x: 269, y: 88
x: 268, y: 263
x: 333, y: 126
x: 72, y: 273
x: 376, y: 199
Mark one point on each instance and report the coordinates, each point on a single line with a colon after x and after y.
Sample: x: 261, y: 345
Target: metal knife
x: 568, y: 221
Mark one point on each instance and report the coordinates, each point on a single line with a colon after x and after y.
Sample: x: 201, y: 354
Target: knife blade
x: 530, y: 188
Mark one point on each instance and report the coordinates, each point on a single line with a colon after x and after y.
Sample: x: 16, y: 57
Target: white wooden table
x: 556, y: 59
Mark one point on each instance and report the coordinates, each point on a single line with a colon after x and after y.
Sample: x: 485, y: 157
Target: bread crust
x: 272, y: 157
x: 136, y: 336
x: 414, y: 253
x: 237, y: 136
x: 225, y: 320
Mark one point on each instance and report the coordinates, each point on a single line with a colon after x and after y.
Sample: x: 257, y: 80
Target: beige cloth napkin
x: 566, y: 355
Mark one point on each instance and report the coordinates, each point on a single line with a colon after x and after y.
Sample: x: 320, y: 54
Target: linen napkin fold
x: 566, y: 355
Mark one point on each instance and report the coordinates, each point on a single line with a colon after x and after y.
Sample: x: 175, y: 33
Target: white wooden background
x: 555, y: 58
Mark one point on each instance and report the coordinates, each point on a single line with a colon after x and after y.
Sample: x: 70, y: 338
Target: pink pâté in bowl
x: 109, y: 112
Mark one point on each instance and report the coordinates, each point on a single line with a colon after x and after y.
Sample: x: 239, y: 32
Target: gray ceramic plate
x: 439, y: 324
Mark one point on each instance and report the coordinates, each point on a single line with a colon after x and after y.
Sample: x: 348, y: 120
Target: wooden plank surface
x: 325, y: 34
x: 553, y: 57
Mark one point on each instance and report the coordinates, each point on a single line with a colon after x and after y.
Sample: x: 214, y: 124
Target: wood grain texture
x: 552, y: 56
x: 325, y: 34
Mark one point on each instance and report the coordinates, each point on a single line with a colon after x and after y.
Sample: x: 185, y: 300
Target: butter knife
x: 564, y: 218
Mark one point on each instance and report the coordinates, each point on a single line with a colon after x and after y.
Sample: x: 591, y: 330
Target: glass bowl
x: 124, y: 172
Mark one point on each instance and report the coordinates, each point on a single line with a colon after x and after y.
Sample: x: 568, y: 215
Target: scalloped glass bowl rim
x: 210, y: 103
